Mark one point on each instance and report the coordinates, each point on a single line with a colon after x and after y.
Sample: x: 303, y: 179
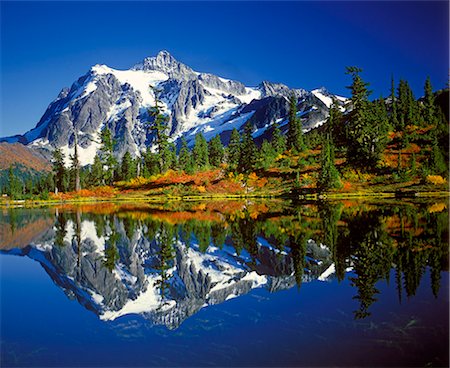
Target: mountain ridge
x: 193, y: 101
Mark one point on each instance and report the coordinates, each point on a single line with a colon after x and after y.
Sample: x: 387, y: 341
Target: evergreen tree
x: 96, y: 173
x: 234, y: 149
x: 185, y: 157
x: 366, y: 134
x: 358, y: 88
x: 168, y: 157
x: 151, y: 163
x: 407, y: 108
x: 328, y: 175
x: 278, y: 140
x: 108, y: 159
x: 200, y: 152
x: 164, y: 151
x: 127, y: 167
x: 429, y: 109
x: 267, y: 155
x: 215, y: 151
x: 334, y: 127
x: 13, y: 184
x: 394, y: 113
x: 438, y: 164
x: 59, y: 170
x: 295, y: 134
x: 75, y: 166
x: 248, y: 156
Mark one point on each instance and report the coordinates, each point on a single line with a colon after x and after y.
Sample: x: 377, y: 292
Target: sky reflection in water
x: 240, y: 284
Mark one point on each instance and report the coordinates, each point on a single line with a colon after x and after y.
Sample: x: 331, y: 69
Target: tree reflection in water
x: 211, y: 252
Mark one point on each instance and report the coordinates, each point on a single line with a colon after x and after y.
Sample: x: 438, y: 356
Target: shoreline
x: 160, y: 199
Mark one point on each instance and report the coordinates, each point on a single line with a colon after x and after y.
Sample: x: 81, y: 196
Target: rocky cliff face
x: 193, y: 101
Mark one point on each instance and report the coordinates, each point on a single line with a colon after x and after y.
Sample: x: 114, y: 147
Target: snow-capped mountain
x: 72, y: 251
x: 193, y: 101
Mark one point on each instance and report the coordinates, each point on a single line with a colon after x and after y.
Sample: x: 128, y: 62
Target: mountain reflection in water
x: 168, y: 263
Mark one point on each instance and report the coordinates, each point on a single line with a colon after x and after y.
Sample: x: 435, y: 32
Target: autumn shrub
x: 436, y: 179
x: 437, y: 207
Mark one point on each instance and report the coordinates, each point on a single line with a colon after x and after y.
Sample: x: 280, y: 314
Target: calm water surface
x: 226, y: 284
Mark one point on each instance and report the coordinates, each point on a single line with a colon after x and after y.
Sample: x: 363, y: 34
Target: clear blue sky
x: 48, y: 45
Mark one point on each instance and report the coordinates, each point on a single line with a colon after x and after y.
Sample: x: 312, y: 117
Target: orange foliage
x: 346, y: 186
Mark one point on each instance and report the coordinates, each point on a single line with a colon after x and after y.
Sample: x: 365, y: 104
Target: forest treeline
x: 363, y: 136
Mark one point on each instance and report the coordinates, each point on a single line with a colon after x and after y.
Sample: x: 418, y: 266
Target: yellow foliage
x: 436, y: 179
x: 437, y: 207
x: 253, y: 176
x: 201, y: 207
x: 306, y: 176
x: 201, y: 189
x: 139, y: 181
x: 240, y: 177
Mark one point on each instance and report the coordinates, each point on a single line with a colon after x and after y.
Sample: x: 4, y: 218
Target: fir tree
x: 215, y: 151
x: 248, y: 156
x: 407, y: 108
x: 234, y: 149
x: 13, y: 184
x: 127, y: 167
x: 334, y: 127
x: 394, y: 114
x: 185, y: 157
x: 295, y: 134
x: 96, y: 173
x: 267, y: 154
x: 278, y: 140
x: 75, y: 166
x: 438, y: 164
x: 358, y: 88
x: 163, y: 149
x: 151, y: 163
x: 200, y: 152
x: 168, y: 157
x: 367, y: 125
x: 59, y: 170
x: 429, y: 109
x: 108, y: 159
x: 328, y: 175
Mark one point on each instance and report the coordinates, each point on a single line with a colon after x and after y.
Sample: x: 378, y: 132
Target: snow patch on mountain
x: 147, y: 301
x: 85, y: 154
x: 221, y: 124
x: 328, y: 101
x: 139, y: 80
x: 327, y: 273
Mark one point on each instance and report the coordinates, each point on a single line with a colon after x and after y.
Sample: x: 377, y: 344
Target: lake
x: 232, y: 283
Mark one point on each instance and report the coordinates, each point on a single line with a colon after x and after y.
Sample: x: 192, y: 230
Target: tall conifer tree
x: 248, y: 156
x: 234, y: 149
x: 200, y: 152
x: 215, y: 151
x: 59, y: 170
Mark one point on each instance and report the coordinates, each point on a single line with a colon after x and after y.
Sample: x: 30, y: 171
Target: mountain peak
x: 166, y: 63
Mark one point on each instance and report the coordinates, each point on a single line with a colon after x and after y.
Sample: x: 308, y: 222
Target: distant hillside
x: 26, y: 157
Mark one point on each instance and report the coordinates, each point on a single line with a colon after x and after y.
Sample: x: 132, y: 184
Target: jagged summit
x: 166, y: 63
